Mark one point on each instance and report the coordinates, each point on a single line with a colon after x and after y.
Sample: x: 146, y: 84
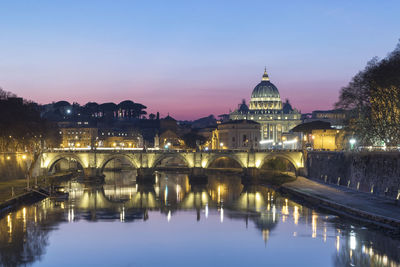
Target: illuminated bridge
x: 93, y: 162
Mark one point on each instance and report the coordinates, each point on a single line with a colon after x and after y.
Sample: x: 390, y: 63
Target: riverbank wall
x: 26, y: 198
x: 373, y: 172
x: 14, y: 165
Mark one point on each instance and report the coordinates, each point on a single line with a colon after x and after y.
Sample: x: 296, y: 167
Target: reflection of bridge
x: 94, y: 161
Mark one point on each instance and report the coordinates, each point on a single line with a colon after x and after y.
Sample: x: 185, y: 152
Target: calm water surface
x: 173, y: 223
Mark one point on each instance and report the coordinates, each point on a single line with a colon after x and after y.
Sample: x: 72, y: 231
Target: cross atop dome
x: 265, y: 76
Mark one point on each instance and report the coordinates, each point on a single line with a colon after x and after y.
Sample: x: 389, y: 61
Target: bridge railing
x: 157, y: 150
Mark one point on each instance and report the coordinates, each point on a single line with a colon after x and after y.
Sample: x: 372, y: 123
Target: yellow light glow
x: 23, y: 156
x: 296, y: 215
x: 8, y: 157
x: 337, y: 243
x: 314, y: 225
x: 78, y: 144
x: 258, y: 163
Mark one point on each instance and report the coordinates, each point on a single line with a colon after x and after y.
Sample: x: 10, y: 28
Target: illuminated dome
x: 265, y: 95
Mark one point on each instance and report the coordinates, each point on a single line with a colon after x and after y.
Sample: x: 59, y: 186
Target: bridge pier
x: 91, y: 172
x: 250, y: 175
x: 145, y: 176
x: 198, y: 176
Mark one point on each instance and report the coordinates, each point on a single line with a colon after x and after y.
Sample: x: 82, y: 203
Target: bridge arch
x: 292, y: 162
x: 170, y: 155
x: 229, y: 156
x: 131, y: 160
x: 67, y: 157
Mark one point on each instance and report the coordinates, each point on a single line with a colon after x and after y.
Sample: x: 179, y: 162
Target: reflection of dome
x: 265, y: 95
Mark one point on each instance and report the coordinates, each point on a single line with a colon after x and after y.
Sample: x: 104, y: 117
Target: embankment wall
x: 374, y: 172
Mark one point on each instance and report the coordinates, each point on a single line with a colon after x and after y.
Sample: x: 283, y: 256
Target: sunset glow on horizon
x: 188, y: 59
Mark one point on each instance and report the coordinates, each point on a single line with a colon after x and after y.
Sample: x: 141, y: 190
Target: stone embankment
x: 373, y: 172
x: 363, y: 186
x: 367, y: 208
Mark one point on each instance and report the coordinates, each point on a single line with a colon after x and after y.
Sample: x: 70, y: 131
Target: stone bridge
x: 93, y: 162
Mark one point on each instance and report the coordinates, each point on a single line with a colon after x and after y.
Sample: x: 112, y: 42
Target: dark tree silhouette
x: 373, y: 96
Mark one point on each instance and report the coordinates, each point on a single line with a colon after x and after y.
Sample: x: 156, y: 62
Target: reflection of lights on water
x: 206, y: 210
x: 314, y: 225
x: 337, y: 243
x: 219, y: 194
x: 9, y: 224
x: 296, y: 215
x: 24, y: 217
x: 177, y: 193
x: 265, y: 234
x: 222, y: 214
x: 204, y: 197
x: 71, y: 214
x: 273, y: 213
x: 324, y: 234
x: 169, y: 216
x: 258, y: 196
x: 122, y: 215
x: 353, y: 241
x: 166, y: 194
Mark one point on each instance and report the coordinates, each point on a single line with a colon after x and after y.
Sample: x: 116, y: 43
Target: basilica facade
x: 266, y: 108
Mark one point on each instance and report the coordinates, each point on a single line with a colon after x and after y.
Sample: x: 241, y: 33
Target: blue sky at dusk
x: 190, y: 58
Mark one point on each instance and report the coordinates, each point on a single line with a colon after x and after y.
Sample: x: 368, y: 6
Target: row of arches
x: 121, y: 161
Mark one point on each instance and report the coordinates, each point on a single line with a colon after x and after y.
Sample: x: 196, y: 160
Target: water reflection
x: 25, y: 234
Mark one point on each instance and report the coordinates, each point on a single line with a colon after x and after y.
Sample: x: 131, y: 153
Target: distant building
x: 78, y: 137
x: 336, y: 117
x: 238, y: 134
x: 170, y: 140
x: 266, y: 108
x: 114, y: 137
x: 168, y: 123
x: 319, y: 135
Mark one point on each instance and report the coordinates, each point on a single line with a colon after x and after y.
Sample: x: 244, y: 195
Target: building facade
x: 267, y: 109
x: 238, y: 134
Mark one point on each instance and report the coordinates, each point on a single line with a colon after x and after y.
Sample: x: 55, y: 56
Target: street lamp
x: 352, y: 142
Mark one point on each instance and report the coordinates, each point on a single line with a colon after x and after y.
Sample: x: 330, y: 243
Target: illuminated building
x: 336, y: 117
x: 128, y: 138
x: 79, y: 137
x: 239, y: 134
x: 319, y: 135
x: 267, y: 109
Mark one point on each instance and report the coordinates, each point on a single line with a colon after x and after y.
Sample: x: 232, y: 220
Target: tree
x: 152, y: 116
x: 373, y: 97
x: 21, y: 127
x: 193, y: 139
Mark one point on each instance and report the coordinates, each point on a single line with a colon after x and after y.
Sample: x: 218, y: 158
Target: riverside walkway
x: 365, y: 207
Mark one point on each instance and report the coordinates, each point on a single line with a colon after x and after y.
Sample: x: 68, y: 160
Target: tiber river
x: 172, y: 223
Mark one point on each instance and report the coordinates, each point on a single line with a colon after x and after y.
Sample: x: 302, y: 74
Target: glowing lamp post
x: 352, y: 142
